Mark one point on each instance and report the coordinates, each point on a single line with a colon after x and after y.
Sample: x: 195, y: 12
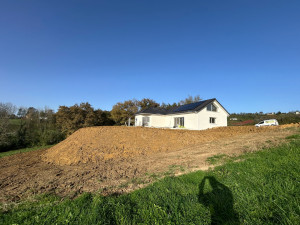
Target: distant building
x: 271, y: 113
x: 233, y: 119
x: 195, y: 116
x: 297, y: 112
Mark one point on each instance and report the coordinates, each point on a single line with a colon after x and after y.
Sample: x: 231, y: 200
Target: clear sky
x: 245, y: 53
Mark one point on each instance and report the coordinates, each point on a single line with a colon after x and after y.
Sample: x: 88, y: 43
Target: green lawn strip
x: 263, y: 188
x: 12, y: 152
x: 15, y: 121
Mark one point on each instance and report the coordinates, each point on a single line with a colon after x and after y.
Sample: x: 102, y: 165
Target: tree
x: 122, y: 111
x: 32, y: 113
x: 70, y: 119
x: 7, y: 109
x: 146, y: 103
x: 103, y: 118
x: 22, y: 112
x: 190, y: 99
x: 63, y: 118
x: 7, y: 135
x: 168, y: 106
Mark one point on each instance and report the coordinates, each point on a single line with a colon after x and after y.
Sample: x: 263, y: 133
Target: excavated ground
x: 99, y: 144
x: 113, y: 159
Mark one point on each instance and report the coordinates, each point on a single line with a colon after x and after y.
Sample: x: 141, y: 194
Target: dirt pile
x: 25, y: 175
x: 99, y: 144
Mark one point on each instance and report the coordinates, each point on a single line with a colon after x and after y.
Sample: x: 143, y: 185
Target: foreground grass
x: 262, y: 188
x: 12, y: 152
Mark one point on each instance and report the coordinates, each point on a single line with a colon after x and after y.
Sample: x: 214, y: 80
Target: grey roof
x: 192, y: 107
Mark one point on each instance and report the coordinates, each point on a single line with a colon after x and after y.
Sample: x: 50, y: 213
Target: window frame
x: 146, y: 121
x: 212, y: 120
x: 181, y: 121
x: 211, y: 105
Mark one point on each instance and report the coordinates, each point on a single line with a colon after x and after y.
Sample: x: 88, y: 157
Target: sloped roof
x: 192, y: 107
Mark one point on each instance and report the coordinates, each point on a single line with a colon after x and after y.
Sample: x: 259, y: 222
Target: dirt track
x: 24, y: 175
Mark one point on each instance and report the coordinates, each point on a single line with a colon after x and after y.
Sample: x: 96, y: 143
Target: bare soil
x: 121, y: 159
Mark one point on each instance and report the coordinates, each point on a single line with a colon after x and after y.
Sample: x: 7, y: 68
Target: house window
x: 211, y: 107
x: 212, y: 120
x: 146, y: 121
x: 179, y: 121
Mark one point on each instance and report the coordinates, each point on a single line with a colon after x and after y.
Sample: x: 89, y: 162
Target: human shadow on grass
x: 219, y: 200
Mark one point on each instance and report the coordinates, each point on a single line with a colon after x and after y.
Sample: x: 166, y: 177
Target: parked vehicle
x: 272, y: 122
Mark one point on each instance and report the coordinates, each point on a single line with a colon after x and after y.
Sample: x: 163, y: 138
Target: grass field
x: 256, y: 188
x: 12, y: 152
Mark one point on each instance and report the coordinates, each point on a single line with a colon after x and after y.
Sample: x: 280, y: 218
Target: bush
x: 50, y: 137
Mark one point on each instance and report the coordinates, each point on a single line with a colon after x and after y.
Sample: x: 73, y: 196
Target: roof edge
x: 197, y: 109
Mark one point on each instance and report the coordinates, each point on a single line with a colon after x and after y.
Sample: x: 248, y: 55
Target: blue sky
x: 245, y: 53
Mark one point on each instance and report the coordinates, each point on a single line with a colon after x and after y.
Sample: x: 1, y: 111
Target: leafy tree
x: 103, y: 118
x: 7, y: 136
x: 190, y: 99
x: 22, y: 112
x: 122, y: 111
x: 146, y: 103
x: 63, y: 118
x: 168, y: 106
x: 32, y: 124
x: 70, y: 119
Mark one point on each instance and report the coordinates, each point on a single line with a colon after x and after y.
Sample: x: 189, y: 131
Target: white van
x: 271, y: 122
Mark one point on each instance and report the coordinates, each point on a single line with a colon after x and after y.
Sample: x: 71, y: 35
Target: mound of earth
x: 100, y: 144
x: 25, y: 175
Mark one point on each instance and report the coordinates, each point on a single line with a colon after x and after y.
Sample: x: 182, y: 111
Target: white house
x: 195, y: 116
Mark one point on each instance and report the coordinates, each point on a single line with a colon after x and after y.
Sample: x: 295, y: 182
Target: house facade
x: 195, y: 116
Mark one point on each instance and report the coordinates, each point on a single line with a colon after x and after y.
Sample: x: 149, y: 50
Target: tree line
x: 27, y: 127
x: 282, y: 118
x: 122, y: 111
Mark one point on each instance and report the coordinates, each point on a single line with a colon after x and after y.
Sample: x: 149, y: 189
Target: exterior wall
x: 158, y: 121
x: 192, y: 120
x: 155, y: 120
x: 204, y: 115
x: 138, y: 120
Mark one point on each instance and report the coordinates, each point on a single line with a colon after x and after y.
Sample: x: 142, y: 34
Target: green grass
x: 15, y: 122
x: 294, y: 136
x: 262, y: 188
x: 217, y: 159
x: 12, y: 152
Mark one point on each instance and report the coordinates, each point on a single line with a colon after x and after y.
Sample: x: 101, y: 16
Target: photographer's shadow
x: 219, y: 200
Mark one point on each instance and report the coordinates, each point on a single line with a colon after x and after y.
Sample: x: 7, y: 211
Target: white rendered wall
x: 158, y: 121
x: 204, y: 115
x: 138, y: 120
x: 155, y: 120
x: 192, y: 120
